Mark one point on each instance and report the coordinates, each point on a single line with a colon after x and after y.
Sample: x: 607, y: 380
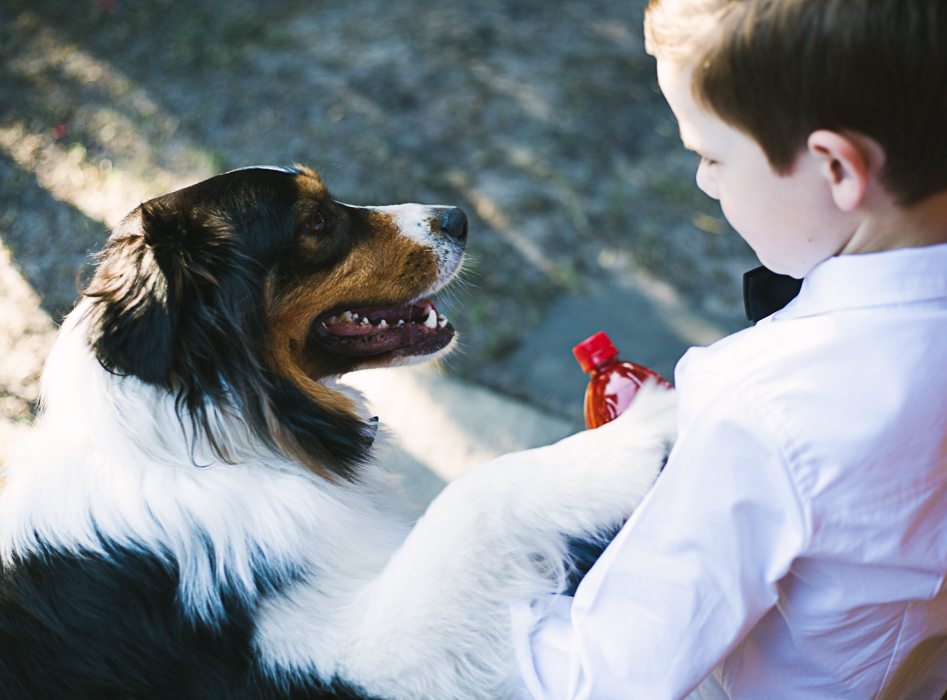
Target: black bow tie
x: 765, y: 292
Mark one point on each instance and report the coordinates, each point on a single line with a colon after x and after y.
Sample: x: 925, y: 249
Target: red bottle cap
x: 593, y: 351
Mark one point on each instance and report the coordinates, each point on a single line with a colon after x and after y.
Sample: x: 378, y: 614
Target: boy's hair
x: 780, y: 69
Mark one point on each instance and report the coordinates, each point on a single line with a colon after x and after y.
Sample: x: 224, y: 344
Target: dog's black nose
x: 454, y: 224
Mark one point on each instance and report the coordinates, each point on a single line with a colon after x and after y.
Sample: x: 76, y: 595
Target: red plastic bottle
x: 614, y: 381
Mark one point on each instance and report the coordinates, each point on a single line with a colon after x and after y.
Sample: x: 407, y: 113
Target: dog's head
x: 240, y: 293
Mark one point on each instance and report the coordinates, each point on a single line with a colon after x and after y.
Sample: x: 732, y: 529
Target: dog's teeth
x: 333, y: 319
x: 347, y: 317
x: 383, y: 323
x: 431, y: 320
x: 441, y: 320
x: 400, y: 321
x: 365, y: 321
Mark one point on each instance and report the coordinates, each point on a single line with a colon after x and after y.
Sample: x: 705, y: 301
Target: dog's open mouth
x: 410, y: 329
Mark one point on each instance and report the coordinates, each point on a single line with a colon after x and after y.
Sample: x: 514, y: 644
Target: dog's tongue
x: 377, y: 329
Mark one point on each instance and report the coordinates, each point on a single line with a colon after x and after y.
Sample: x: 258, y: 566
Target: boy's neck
x: 887, y: 226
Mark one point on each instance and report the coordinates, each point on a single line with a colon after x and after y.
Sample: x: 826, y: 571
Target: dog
x: 197, y: 513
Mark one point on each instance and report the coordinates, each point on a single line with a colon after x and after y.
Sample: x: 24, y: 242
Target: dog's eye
x: 316, y: 221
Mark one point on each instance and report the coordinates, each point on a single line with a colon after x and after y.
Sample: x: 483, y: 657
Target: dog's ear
x: 185, y: 245
x: 149, y: 264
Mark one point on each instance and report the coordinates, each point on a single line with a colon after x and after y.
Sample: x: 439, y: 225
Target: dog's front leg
x: 435, y: 624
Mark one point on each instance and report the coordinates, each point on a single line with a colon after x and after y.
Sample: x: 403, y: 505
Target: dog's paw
x: 648, y: 426
x: 651, y: 416
x: 591, y: 480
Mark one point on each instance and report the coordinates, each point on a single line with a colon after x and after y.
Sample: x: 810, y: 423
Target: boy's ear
x: 845, y: 165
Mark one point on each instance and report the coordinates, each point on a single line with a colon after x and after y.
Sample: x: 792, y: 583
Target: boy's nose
x: 707, y: 181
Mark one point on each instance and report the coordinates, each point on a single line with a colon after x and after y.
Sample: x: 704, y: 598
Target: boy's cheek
x: 752, y: 225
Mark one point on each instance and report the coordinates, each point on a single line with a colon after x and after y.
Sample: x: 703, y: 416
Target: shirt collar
x: 897, y: 276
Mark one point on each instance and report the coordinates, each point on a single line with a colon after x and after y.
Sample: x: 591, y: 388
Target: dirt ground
x: 542, y: 120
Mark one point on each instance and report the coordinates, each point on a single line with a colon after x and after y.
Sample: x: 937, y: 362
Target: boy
x: 795, y: 545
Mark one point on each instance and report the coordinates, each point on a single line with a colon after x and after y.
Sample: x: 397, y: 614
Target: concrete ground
x: 435, y: 426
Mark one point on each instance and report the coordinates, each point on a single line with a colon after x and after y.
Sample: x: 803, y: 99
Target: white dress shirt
x: 796, y: 543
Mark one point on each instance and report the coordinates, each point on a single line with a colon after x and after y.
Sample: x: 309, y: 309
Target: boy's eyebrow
x: 691, y: 146
x: 685, y: 140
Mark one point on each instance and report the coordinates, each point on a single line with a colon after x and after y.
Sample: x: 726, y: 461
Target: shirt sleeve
x: 690, y: 573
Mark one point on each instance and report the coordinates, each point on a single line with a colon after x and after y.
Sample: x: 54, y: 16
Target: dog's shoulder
x: 88, y: 625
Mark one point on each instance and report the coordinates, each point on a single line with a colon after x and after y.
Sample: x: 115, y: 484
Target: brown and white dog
x: 197, y: 514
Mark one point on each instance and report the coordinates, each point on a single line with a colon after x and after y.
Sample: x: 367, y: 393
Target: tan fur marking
x: 283, y: 355
x: 310, y: 185
x: 384, y: 268
x: 289, y: 326
x: 394, y: 270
